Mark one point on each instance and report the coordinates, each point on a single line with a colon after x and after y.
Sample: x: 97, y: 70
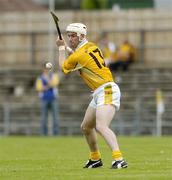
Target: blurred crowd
x: 117, y: 57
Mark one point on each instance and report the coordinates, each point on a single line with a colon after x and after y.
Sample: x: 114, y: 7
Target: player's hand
x: 60, y: 42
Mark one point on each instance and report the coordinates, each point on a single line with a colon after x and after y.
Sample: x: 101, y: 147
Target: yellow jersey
x: 89, y: 61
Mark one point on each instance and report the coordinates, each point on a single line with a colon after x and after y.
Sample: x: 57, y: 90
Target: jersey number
x: 95, y: 58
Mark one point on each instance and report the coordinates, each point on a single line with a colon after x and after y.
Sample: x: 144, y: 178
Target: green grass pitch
x: 62, y: 158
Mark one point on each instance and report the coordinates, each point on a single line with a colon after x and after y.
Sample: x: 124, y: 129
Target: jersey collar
x: 82, y: 43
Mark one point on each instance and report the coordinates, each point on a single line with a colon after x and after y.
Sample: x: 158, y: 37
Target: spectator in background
x: 126, y: 55
x: 46, y: 85
x: 108, y: 49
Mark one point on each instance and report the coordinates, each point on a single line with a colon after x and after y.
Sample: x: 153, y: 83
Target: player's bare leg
x: 104, y: 116
x: 88, y: 128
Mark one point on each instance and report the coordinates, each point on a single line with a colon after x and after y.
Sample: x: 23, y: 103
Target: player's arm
x: 67, y: 64
x: 68, y: 49
x: 62, y: 55
x: 63, y: 47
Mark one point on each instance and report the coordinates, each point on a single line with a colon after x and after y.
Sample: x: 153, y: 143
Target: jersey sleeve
x: 39, y: 85
x: 69, y: 64
x: 55, y: 80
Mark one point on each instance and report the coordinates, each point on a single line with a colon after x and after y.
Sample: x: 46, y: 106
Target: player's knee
x: 85, y: 129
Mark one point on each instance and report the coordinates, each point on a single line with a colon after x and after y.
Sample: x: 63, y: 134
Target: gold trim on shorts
x: 108, y: 94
